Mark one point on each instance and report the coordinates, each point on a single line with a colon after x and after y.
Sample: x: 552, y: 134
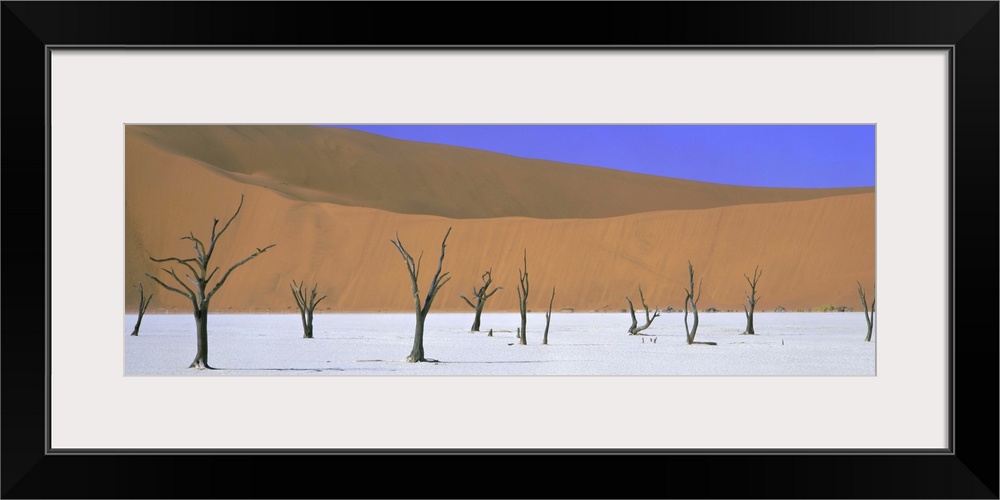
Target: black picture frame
x: 968, y: 470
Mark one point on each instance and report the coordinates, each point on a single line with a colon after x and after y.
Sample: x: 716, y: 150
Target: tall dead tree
x: 143, y: 304
x: 548, y: 317
x: 481, y: 295
x: 869, y: 311
x: 751, y: 299
x: 306, y: 306
x: 199, y: 293
x: 522, y: 297
x: 635, y: 328
x: 438, y: 281
x: 692, y: 300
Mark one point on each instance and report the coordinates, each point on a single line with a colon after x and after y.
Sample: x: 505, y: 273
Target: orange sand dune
x: 351, y: 168
x: 811, y: 251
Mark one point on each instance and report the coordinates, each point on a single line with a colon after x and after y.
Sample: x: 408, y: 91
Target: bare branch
x: 178, y: 280
x: 436, y: 282
x: 209, y: 278
x: 215, y: 237
x: 523, y: 275
x: 635, y: 329
x: 419, y: 259
x: 172, y: 289
x: 297, y: 293
x: 411, y: 269
x: 467, y: 301
x: 491, y: 293
x: 644, y: 306
x: 238, y: 264
x: 143, y: 299
x: 442, y: 283
x: 410, y: 264
x: 185, y: 262
x: 199, y: 247
x: 631, y: 310
x: 314, y: 304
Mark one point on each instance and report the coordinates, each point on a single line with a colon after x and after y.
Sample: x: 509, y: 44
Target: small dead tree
x: 306, y: 306
x: 481, y: 295
x: 869, y: 311
x: 438, y: 281
x: 635, y: 328
x: 143, y: 304
x: 692, y: 300
x: 548, y: 317
x: 522, y: 296
x: 199, y: 293
x: 751, y: 299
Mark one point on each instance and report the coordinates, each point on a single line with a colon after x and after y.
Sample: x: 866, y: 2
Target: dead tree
x: 417, y: 353
x: 635, y: 328
x: 692, y: 300
x: 751, y: 299
x: 306, y: 306
x: 143, y: 304
x: 480, y: 295
x: 869, y: 311
x: 199, y: 293
x: 522, y: 297
x: 548, y: 317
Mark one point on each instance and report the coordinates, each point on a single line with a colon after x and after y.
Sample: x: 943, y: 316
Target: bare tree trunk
x: 481, y: 297
x: 692, y: 300
x: 201, y: 357
x: 522, y: 295
x: 749, y: 314
x: 199, y: 278
x: 143, y: 304
x: 693, y: 329
x: 635, y: 328
x: 868, y: 336
x: 309, y: 331
x: 476, y: 322
x: 868, y: 317
x: 548, y: 317
x: 305, y: 325
x: 421, y: 310
x: 306, y: 305
x: 751, y: 300
x: 417, y: 353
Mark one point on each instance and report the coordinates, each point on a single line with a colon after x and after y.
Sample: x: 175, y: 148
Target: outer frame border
x: 968, y: 469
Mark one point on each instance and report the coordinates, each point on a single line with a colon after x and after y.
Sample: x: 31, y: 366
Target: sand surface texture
x: 332, y: 199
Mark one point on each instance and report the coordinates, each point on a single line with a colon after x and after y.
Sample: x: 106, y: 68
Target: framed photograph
x: 153, y: 146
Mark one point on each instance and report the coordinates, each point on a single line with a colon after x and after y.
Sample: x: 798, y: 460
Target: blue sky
x: 750, y: 155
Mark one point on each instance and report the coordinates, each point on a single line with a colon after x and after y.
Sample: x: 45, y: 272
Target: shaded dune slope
x: 811, y: 251
x: 351, y: 168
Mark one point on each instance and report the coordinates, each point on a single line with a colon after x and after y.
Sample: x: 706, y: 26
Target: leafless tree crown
x: 635, y: 328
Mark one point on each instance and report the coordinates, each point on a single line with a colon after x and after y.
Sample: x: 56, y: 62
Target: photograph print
x: 500, y: 250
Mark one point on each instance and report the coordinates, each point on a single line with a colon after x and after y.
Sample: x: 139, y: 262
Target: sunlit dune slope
x: 811, y: 252
x: 351, y: 168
